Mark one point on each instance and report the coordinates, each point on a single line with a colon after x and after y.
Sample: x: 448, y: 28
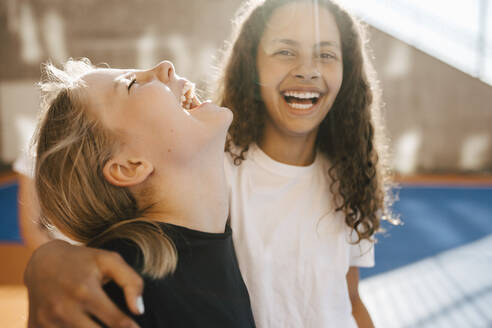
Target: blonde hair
x: 72, y: 148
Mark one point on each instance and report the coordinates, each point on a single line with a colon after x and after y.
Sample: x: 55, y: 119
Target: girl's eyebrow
x: 320, y: 44
x: 286, y: 41
x: 328, y: 44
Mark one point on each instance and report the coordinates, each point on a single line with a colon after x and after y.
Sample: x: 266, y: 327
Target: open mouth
x: 301, y: 99
x: 189, y: 100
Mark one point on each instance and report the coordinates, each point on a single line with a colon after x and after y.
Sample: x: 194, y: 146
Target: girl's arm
x: 64, y: 282
x: 359, y: 310
x: 33, y: 233
x: 64, y: 285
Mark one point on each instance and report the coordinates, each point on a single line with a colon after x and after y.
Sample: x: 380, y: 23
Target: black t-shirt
x: 206, y: 290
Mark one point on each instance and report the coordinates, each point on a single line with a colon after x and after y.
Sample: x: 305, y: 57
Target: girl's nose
x: 164, y: 71
x: 307, y: 70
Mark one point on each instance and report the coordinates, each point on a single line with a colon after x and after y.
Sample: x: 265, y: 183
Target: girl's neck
x: 289, y: 149
x: 193, y: 196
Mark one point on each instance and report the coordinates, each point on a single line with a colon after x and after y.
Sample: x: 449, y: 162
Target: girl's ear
x: 127, y: 172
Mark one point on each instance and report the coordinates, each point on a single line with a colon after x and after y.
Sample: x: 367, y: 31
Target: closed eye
x: 131, y: 83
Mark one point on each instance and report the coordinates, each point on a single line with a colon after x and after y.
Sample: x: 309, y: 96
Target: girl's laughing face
x: 155, y: 113
x: 300, y: 68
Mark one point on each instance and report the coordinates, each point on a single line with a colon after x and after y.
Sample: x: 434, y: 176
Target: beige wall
x: 439, y: 119
x: 134, y: 33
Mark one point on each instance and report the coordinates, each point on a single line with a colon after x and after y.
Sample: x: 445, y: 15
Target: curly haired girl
x: 309, y: 184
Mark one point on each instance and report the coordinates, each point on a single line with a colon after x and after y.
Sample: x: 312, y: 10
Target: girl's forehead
x: 105, y: 79
x: 109, y: 72
x: 302, y: 20
x: 100, y: 86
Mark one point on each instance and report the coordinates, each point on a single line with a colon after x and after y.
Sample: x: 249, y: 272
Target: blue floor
x: 9, y: 227
x: 435, y: 219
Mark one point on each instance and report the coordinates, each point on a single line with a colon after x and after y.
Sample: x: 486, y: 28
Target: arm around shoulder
x: 359, y: 310
x: 64, y: 285
x: 33, y: 233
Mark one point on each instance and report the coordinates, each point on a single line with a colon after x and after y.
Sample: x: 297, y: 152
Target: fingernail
x: 140, y: 305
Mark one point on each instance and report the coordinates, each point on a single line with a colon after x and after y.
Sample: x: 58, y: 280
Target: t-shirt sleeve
x: 361, y: 254
x: 230, y: 171
x: 24, y: 164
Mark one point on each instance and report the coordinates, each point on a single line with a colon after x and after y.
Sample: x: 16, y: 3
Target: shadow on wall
x: 136, y: 34
x: 438, y: 117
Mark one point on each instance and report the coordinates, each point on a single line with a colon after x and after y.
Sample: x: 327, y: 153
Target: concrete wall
x: 136, y: 33
x: 439, y: 119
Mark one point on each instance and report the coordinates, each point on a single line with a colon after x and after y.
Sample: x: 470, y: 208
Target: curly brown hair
x: 347, y: 135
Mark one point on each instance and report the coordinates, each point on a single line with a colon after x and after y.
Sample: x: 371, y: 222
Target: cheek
x: 270, y: 98
x: 272, y: 72
x: 334, y: 77
x: 270, y: 83
x: 155, y: 95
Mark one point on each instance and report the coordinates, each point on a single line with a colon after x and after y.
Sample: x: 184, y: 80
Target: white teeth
x: 301, y: 95
x: 187, y: 95
x: 300, y: 106
x: 187, y: 87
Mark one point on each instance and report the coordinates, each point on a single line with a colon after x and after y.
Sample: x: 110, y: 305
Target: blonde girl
x: 128, y: 160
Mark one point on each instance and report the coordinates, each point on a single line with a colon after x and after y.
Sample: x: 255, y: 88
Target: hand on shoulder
x: 64, y: 285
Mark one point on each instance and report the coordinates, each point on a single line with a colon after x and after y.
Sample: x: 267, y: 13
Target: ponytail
x: 158, y: 250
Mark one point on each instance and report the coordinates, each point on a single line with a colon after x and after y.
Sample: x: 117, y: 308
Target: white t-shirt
x: 25, y: 164
x: 293, y: 248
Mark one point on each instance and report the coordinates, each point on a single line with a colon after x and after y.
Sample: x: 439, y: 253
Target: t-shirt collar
x: 265, y: 161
